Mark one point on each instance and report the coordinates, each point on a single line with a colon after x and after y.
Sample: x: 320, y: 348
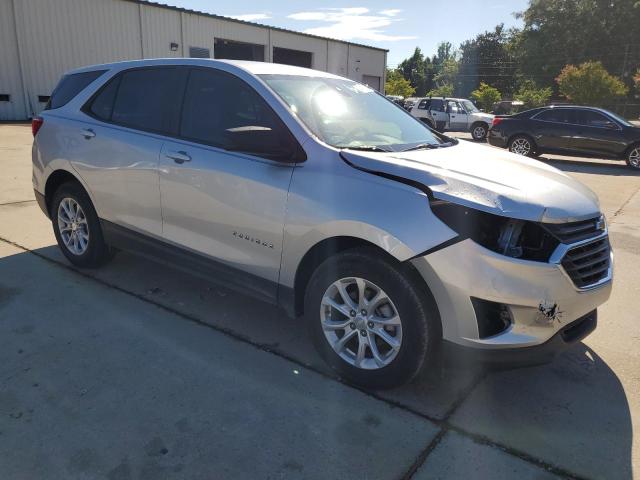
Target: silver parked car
x: 453, y: 115
x: 317, y: 194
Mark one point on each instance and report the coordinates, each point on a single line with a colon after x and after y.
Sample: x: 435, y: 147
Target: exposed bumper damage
x: 539, y: 300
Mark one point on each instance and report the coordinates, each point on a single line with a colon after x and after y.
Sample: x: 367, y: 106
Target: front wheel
x: 633, y: 157
x: 369, y: 321
x: 479, y: 131
x: 522, y: 145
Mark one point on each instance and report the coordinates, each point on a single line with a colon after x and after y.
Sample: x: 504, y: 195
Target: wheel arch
x: 54, y: 180
x: 328, y: 247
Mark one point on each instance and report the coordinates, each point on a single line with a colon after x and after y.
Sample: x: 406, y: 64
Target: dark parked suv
x: 579, y: 131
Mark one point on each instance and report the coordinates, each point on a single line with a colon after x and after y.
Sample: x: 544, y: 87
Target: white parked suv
x: 316, y: 193
x: 453, y: 115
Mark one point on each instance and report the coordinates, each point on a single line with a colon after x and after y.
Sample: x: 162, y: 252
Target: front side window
x: 593, y: 119
x: 149, y: 99
x: 223, y: 111
x: 346, y: 114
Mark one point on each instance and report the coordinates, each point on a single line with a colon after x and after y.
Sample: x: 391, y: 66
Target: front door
x: 598, y: 135
x: 220, y: 199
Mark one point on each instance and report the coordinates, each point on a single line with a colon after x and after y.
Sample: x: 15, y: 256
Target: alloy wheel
x: 634, y: 158
x: 73, y: 227
x: 479, y: 133
x: 521, y: 146
x: 361, y: 323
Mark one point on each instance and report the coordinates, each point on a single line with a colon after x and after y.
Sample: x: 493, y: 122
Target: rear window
x: 69, y: 86
x: 146, y: 99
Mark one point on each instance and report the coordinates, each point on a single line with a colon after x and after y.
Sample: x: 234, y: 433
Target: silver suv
x: 453, y: 115
x: 317, y: 194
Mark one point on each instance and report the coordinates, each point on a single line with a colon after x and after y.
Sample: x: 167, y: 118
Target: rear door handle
x: 88, y: 133
x: 178, y: 157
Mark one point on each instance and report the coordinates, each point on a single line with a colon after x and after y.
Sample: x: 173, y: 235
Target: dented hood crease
x: 488, y: 179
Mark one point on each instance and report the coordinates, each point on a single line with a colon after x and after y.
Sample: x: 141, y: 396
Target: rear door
x: 438, y: 112
x: 118, y: 150
x: 221, y: 197
x: 597, y: 134
x: 553, y: 129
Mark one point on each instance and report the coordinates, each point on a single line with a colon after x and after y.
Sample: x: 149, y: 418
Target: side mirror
x: 610, y: 126
x: 482, y: 110
x: 264, y: 142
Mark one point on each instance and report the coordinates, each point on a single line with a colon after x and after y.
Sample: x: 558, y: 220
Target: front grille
x: 588, y: 264
x: 575, y: 231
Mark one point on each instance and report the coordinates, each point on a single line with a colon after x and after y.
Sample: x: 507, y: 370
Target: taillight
x: 36, y: 123
x: 496, y: 121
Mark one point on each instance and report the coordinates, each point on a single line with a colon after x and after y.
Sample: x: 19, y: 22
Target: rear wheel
x: 479, y: 131
x: 522, y: 145
x: 633, y: 157
x: 77, y: 227
x: 369, y: 321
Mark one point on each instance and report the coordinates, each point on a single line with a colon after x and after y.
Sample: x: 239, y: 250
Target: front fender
x: 331, y: 200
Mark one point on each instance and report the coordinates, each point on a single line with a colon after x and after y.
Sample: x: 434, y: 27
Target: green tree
x: 590, y: 84
x: 487, y: 58
x: 564, y: 32
x: 398, y: 85
x: 486, y: 96
x: 636, y: 77
x: 531, y: 95
x: 444, y: 90
x: 414, y: 69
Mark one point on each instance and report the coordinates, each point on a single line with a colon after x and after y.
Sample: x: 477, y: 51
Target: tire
x: 633, y: 156
x: 428, y: 123
x: 417, y: 332
x: 522, y: 145
x: 479, y: 131
x: 89, y: 249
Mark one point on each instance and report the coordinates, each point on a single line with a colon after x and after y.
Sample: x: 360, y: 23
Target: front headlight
x: 507, y: 236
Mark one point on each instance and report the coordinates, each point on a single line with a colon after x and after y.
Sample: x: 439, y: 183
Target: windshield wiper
x: 425, y: 146
x: 368, y: 148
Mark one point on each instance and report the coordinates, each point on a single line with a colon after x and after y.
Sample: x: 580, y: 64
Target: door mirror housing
x: 611, y: 125
x: 265, y: 142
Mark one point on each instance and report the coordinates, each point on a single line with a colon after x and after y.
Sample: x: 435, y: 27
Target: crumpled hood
x: 488, y: 179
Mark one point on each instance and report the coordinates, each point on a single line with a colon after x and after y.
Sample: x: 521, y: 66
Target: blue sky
x: 399, y: 26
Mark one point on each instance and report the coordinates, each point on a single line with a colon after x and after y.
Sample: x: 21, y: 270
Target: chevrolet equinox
x: 317, y: 194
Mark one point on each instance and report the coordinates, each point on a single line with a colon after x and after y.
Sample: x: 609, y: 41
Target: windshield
x: 346, y: 114
x: 469, y: 106
x: 619, y: 119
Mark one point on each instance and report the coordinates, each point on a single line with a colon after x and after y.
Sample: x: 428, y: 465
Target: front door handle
x: 179, y: 157
x: 88, y: 133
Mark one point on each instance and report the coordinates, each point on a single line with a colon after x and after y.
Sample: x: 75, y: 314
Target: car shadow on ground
x: 572, y: 413
x: 591, y: 167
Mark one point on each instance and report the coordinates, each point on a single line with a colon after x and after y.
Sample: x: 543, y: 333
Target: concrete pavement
x: 207, y: 350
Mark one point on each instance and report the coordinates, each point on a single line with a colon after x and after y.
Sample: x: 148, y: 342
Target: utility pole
x: 624, y: 74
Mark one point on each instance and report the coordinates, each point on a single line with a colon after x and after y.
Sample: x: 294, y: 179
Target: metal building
x: 41, y: 39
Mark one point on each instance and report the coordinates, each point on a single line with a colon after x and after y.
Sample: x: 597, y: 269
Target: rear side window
x: 437, y: 105
x: 562, y: 115
x: 424, y: 104
x: 102, y: 105
x: 70, y: 86
x: 221, y: 110
x: 146, y: 99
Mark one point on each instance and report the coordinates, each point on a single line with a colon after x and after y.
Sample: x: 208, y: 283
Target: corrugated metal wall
x: 48, y: 38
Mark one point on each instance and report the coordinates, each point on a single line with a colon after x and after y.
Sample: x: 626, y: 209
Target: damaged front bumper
x: 545, y: 310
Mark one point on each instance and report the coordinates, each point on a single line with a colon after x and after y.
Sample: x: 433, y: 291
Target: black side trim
x: 190, y: 262
x: 445, y: 244
x: 42, y: 203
